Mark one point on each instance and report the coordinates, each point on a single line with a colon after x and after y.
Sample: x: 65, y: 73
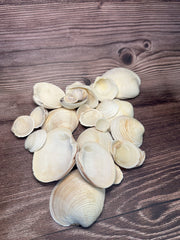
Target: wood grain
x: 66, y: 41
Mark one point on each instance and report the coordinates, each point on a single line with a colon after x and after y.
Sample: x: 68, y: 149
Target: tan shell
x: 96, y: 165
x: 56, y: 158
x: 75, y: 201
x: 47, y: 95
x: 89, y: 117
x: 93, y: 135
x: 119, y: 175
x: 127, y: 128
x: 104, y: 88
x: 125, y: 108
x: 127, y: 155
x: 61, y: 118
x: 23, y: 126
x: 102, y: 125
x: 39, y: 115
x: 82, y: 109
x: 126, y: 80
x: 35, y: 140
x: 108, y: 108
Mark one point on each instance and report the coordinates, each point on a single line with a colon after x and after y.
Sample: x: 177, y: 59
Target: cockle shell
x: 96, y: 165
x: 23, y: 126
x: 47, y: 95
x: 75, y: 201
x: 61, y: 118
x: 89, y: 117
x: 125, y: 108
x: 39, y: 115
x: 56, y: 158
x: 127, y: 81
x: 35, y: 140
x: 127, y: 128
x: 104, y: 88
x: 127, y: 155
x: 93, y: 135
x: 119, y: 175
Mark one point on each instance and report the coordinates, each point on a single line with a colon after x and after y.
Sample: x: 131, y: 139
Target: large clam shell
x: 56, y: 158
x: 96, y: 165
x: 23, y: 126
x: 127, y: 81
x: 61, y: 118
x: 127, y: 128
x: 47, y: 95
x: 75, y: 201
x: 39, y: 115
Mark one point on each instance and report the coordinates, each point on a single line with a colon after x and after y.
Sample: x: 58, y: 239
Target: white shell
x: 39, y: 115
x: 102, y: 125
x: 119, y: 175
x: 23, y: 126
x: 47, y: 95
x: 96, y: 165
x: 35, y: 140
x: 75, y: 201
x: 104, y: 88
x: 82, y: 109
x: 61, y: 118
x: 108, y: 108
x: 56, y: 158
x: 126, y: 80
x: 89, y: 117
x: 127, y: 128
x: 125, y: 108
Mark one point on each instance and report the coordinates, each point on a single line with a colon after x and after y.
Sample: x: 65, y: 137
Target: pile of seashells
x: 111, y: 141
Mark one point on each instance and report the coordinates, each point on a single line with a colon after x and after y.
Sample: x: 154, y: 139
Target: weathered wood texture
x: 65, y: 41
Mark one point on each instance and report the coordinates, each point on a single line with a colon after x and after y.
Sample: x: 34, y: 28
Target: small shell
x: 61, y: 118
x: 108, y: 108
x: 96, y: 165
x: 39, y: 115
x: 127, y: 128
x: 126, y: 80
x: 82, y: 109
x: 35, y: 140
x: 104, y: 88
x: 23, y: 126
x: 89, y: 117
x: 127, y: 155
x: 75, y: 201
x: 102, y: 125
x: 119, y: 175
x: 93, y: 135
x: 125, y: 108
x: 47, y: 95
x: 56, y: 158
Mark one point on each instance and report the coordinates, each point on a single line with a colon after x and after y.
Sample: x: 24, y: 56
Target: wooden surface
x: 61, y: 42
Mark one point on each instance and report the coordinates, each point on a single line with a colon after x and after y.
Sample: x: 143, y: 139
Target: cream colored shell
x: 89, y: 117
x: 39, y: 115
x: 119, y: 175
x: 23, y: 126
x: 75, y: 201
x: 56, y: 158
x: 125, y: 108
x: 102, y: 125
x: 108, y: 108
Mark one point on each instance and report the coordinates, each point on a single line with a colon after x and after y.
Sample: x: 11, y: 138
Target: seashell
x: 89, y: 117
x: 93, y: 135
x: 47, y: 95
x: 102, y: 125
x: 96, y: 165
x: 127, y: 82
x: 125, y: 108
x: 127, y: 128
x: 35, y: 140
x: 81, y: 109
x: 75, y: 201
x: 39, y: 115
x: 104, y: 88
x: 61, y: 118
x: 119, y: 175
x: 23, y: 126
x: 108, y: 108
x: 56, y: 158
x: 127, y: 155
x: 92, y: 99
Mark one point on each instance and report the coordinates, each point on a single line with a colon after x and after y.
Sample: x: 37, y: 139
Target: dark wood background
x: 65, y: 41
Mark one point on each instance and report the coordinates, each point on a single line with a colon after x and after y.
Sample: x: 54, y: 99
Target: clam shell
x: 127, y: 128
x: 39, y: 115
x: 47, y: 95
x: 96, y: 165
x: 35, y: 140
x: 23, y: 126
x: 127, y: 155
x: 61, y: 118
x: 93, y: 135
x: 119, y: 175
x: 56, y: 158
x: 82, y: 109
x: 127, y: 82
x: 89, y: 117
x: 125, y: 108
x: 75, y: 201
x: 108, y: 108
x: 104, y: 88
x: 102, y: 125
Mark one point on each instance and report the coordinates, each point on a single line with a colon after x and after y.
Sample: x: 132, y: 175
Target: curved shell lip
x: 43, y: 116
x: 72, y: 105
x: 15, y: 125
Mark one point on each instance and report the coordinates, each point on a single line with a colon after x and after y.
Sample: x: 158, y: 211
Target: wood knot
x: 147, y: 44
x: 126, y: 55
